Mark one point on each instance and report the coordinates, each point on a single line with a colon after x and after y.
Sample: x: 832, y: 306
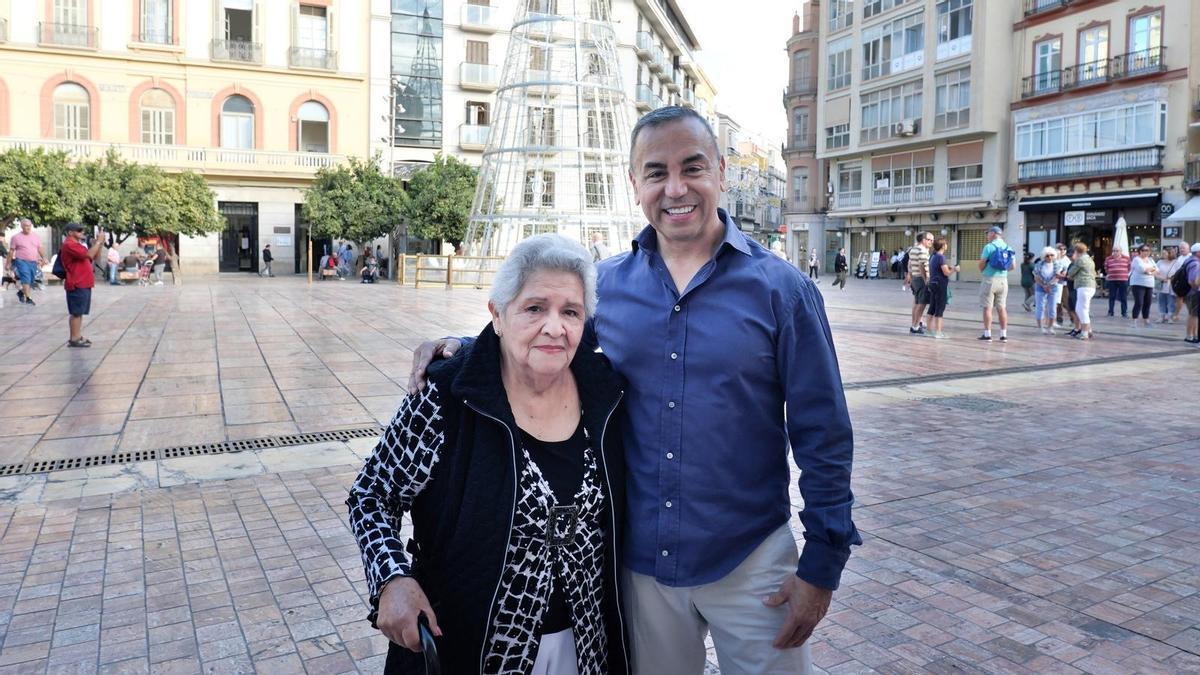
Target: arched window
x: 158, y: 117
x: 313, y: 127
x: 237, y: 123
x: 72, y: 113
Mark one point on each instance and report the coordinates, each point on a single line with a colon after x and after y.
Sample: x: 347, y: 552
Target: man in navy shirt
x: 718, y: 338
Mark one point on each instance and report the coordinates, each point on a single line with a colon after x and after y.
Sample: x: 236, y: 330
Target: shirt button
x: 677, y: 308
x: 670, y: 455
x: 668, y: 503
x: 665, y: 554
x: 674, y: 356
x: 671, y: 404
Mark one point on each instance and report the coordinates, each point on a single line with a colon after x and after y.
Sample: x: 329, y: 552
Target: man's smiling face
x: 678, y: 176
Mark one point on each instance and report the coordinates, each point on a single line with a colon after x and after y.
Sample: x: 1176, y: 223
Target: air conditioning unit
x: 904, y: 128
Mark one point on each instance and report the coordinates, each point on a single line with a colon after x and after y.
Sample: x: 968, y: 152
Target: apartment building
x: 256, y: 95
x: 754, y: 180
x: 1102, y: 113
x: 908, y: 143
x: 804, y: 204
x: 445, y: 59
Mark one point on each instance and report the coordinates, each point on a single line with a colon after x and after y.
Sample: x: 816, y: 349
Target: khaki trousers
x: 667, y: 625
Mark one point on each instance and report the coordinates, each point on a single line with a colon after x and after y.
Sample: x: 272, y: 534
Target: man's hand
x: 807, y: 605
x: 400, y: 603
x: 426, y: 354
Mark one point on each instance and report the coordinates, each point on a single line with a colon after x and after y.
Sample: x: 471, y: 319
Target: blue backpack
x: 1001, y: 258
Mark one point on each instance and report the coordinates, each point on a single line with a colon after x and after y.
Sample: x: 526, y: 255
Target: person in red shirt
x: 77, y: 261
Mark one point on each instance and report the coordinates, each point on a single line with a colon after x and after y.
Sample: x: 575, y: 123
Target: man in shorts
x: 993, y: 287
x: 918, y: 279
x: 25, y: 256
x: 77, y: 261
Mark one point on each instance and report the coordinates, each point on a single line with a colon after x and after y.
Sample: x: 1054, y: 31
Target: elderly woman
x: 510, y: 465
x: 1045, y: 278
x: 1083, y: 273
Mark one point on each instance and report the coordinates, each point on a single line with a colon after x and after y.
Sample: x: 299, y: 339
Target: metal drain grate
x: 970, y: 403
x: 199, y: 450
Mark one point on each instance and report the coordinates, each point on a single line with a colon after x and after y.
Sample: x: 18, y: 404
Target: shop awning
x: 1127, y: 199
x: 1189, y: 211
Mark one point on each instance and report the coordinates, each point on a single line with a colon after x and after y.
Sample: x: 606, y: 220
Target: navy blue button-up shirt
x: 711, y: 372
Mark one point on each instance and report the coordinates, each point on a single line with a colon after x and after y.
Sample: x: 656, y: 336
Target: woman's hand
x: 400, y: 603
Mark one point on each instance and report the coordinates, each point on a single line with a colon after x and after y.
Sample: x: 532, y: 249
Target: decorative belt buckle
x: 561, y: 527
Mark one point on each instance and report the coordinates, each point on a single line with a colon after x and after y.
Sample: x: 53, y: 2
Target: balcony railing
x: 646, y: 98
x: 1191, y: 175
x: 178, y: 157
x: 801, y: 86
x: 1133, y: 64
x: 801, y: 143
x: 656, y: 59
x: 905, y: 194
x: 644, y: 44
x: 688, y: 97
x: 1097, y: 164
x: 479, y: 75
x: 846, y: 200
x: 1033, y: 7
x: 237, y: 50
x: 473, y: 136
x: 965, y: 189
x: 68, y: 35
x: 479, y: 18
x: 304, y: 57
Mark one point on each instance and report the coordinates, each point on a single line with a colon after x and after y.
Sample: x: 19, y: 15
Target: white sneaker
x: 158, y: 283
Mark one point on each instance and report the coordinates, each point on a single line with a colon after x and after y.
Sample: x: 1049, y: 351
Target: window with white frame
x: 601, y: 129
x: 72, y: 113
x: 902, y: 178
x: 1125, y: 126
x: 158, y: 117
x: 874, y: 7
x: 837, y: 136
x: 954, y: 27
x: 893, y: 47
x: 597, y: 190
x: 968, y: 172
x: 952, y: 99
x: 840, y: 51
x: 800, y: 134
x: 539, y: 188
x: 800, y: 187
x: 237, y: 123
x: 541, y: 126
x: 1047, y: 64
x: 841, y: 14
x: 891, y: 112
x: 1092, y: 65
x: 849, y: 178
x: 313, y: 127
x: 1145, y: 33
x: 156, y: 22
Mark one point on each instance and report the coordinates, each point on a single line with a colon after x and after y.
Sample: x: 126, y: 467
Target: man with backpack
x: 1186, y: 284
x: 74, y: 267
x: 995, y: 261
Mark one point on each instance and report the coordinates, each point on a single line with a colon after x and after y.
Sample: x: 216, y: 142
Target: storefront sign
x: 1097, y: 217
x: 1073, y: 218
x: 282, y: 240
x: 1172, y: 232
x: 1165, y: 210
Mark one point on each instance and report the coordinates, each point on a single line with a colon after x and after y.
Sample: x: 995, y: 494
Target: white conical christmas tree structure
x: 557, y: 157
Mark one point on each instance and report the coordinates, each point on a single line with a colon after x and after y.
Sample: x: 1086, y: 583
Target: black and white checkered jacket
x: 451, y: 459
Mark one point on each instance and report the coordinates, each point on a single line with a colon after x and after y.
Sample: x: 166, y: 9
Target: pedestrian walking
x: 25, y: 258
x: 1192, y: 298
x: 1141, y: 283
x: 599, y: 249
x: 1116, y: 280
x: 267, y: 258
x: 813, y: 265
x: 1083, y: 273
x: 1062, y: 261
x: 1046, y: 290
x: 79, y: 279
x: 917, y: 278
x: 692, y: 579
x: 841, y: 268
x: 114, y: 264
x: 995, y: 261
x: 1183, y: 253
x: 939, y: 286
x: 345, y: 260
x: 1168, y: 264
x: 1027, y: 281
x: 160, y: 265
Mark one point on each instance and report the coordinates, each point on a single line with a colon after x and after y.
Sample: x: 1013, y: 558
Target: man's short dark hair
x: 665, y: 115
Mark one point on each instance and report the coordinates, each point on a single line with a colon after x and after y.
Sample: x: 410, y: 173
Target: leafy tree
x: 440, y: 204
x: 107, y: 200
x: 38, y: 185
x: 166, y: 205
x: 355, y: 202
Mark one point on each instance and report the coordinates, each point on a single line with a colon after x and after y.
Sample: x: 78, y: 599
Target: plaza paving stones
x: 1021, y: 512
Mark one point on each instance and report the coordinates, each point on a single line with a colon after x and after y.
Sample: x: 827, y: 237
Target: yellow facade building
x: 255, y: 95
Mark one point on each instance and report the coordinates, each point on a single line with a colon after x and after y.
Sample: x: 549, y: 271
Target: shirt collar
x: 733, y: 237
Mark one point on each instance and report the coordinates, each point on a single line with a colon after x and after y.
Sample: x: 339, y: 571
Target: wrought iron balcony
x: 802, y: 86
x: 1136, y: 64
x: 1191, y: 174
x: 1121, y: 66
x: 237, y: 50
x: 68, y: 35
x: 1033, y: 7
x: 801, y: 143
x: 304, y: 57
x: 479, y: 18
x: 473, y: 136
x: 1096, y: 164
x: 965, y: 189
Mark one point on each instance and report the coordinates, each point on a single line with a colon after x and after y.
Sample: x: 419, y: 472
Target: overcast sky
x: 744, y: 51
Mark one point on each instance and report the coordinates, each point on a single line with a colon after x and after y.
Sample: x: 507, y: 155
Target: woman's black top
x: 561, y: 464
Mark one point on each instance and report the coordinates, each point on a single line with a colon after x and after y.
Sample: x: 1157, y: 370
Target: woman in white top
x: 1046, y: 289
x: 1167, y: 266
x: 1142, y: 271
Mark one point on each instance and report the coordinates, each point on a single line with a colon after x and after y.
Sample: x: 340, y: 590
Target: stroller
x: 860, y: 272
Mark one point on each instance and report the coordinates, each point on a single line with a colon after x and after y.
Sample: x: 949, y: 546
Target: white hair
x: 544, y: 252
x: 1050, y: 250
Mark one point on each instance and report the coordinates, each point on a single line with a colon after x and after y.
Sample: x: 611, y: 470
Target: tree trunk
x: 176, y: 273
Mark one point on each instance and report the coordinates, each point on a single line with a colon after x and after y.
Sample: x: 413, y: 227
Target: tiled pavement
x: 1035, y: 521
